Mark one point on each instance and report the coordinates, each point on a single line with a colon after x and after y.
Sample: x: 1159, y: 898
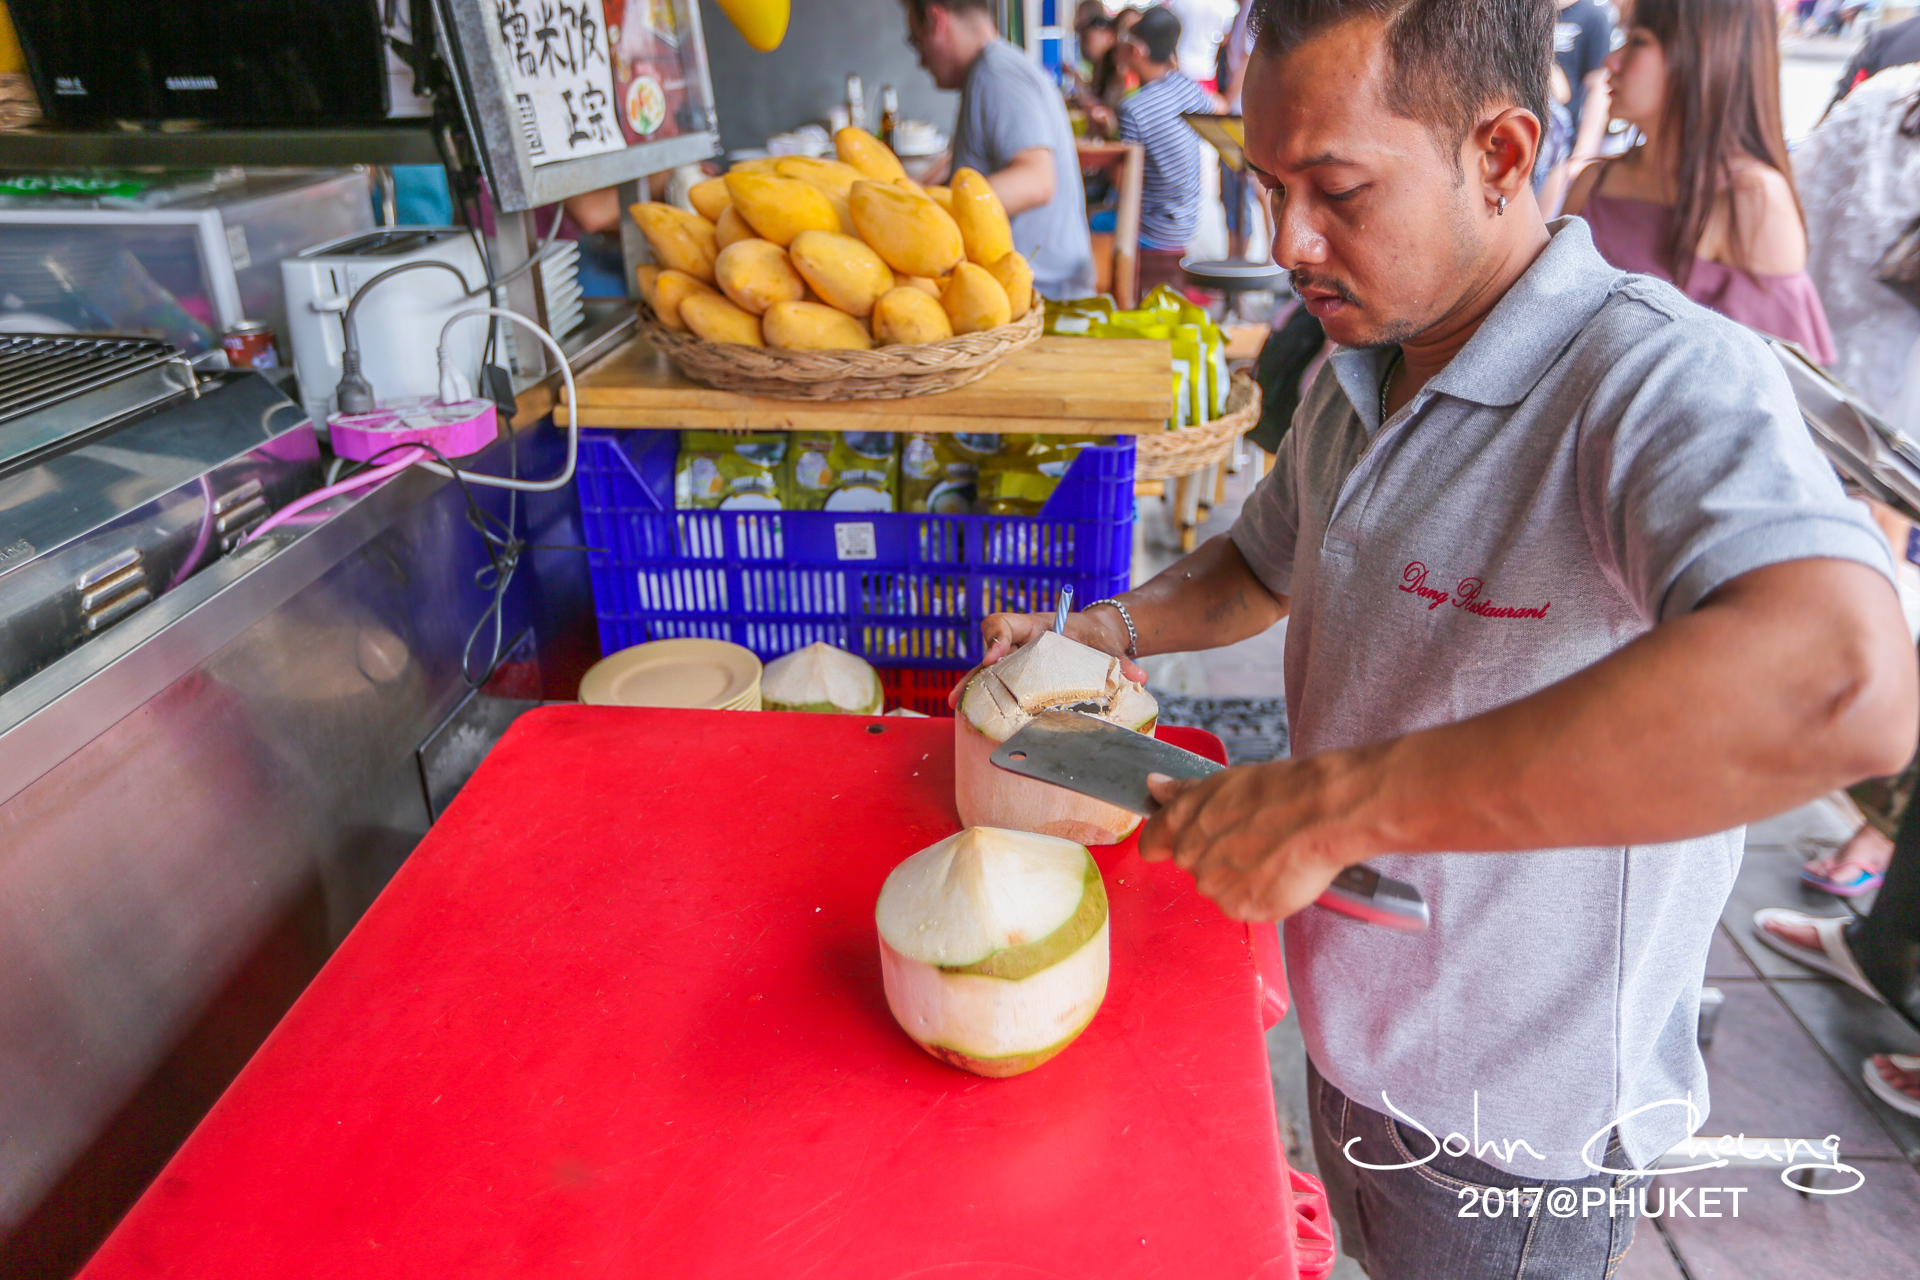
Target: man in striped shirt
x: 1170, y: 190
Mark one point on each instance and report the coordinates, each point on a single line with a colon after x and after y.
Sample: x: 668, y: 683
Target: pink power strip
x: 456, y: 429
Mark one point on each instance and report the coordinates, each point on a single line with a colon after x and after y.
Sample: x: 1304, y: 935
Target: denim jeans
x: 1433, y: 1222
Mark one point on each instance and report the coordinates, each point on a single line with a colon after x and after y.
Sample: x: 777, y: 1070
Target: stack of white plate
x: 711, y: 674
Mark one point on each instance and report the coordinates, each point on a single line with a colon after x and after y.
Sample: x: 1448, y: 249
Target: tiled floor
x: 1785, y: 1061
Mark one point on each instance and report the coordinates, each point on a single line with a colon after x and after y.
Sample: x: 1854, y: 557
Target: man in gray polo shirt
x: 1012, y: 128
x: 1572, y: 597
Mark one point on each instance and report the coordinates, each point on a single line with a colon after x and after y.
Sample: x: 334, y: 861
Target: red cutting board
x: 620, y: 1015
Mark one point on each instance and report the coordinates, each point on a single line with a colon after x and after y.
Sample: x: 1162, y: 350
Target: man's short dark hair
x: 1159, y: 30
x: 918, y: 8
x: 1447, y: 60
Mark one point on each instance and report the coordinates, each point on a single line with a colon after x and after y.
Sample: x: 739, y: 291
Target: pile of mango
x: 822, y: 255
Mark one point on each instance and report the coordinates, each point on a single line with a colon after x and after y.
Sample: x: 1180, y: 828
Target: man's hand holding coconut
x: 1571, y: 596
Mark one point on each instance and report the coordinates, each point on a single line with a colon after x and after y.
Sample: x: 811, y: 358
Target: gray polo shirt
x: 1600, y: 456
x: 1009, y: 106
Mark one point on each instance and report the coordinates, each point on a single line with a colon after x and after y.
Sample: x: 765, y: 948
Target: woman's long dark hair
x: 1723, y: 101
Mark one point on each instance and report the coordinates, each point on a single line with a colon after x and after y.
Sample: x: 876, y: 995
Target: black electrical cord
x: 503, y: 547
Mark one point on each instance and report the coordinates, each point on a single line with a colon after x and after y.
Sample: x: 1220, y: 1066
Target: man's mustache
x: 1303, y: 281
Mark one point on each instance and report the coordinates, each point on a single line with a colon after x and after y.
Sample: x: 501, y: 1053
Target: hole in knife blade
x: 1016, y: 755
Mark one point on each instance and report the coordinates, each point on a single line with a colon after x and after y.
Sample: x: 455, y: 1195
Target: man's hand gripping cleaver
x: 1101, y: 759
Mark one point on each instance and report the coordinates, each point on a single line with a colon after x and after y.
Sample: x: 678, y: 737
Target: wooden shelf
x: 1059, y: 386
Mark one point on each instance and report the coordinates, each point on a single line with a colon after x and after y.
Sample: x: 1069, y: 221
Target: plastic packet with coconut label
x: 866, y: 472
x: 728, y: 471
x: 940, y: 472
x: 809, y: 473
x: 1019, y: 479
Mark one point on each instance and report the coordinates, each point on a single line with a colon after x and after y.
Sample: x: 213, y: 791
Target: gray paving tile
x: 1782, y: 1234
x: 1770, y: 877
x: 1725, y: 960
x: 1780, y: 831
x: 1768, y: 1078
x: 1849, y: 1027
x: 1245, y: 682
x: 1649, y: 1258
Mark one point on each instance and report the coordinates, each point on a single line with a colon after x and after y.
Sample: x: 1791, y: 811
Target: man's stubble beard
x: 1466, y: 253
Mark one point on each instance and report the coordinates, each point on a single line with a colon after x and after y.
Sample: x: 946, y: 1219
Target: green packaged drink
x: 725, y: 471
x: 866, y: 472
x: 939, y: 472
x: 809, y: 474
x: 1023, y: 475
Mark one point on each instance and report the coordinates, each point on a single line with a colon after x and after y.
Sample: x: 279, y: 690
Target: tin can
x: 249, y: 345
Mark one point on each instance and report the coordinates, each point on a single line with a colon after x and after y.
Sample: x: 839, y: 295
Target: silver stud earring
x: 1501, y: 208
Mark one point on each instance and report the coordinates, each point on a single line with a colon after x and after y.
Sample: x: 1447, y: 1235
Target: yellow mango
x: 942, y: 196
x: 755, y: 274
x: 732, y: 228
x: 983, y: 222
x: 868, y: 154
x: 809, y: 326
x: 1016, y: 277
x: 710, y: 198
x: 843, y: 211
x: 761, y: 164
x: 974, y: 300
x: 901, y: 280
x: 909, y: 316
x: 647, y: 273
x: 843, y: 271
x: 781, y: 208
x: 913, y: 234
x: 831, y: 176
x: 671, y: 290
x: 680, y: 240
x: 714, y: 319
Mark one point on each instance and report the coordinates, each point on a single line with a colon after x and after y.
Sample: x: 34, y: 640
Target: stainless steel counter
x: 270, y: 738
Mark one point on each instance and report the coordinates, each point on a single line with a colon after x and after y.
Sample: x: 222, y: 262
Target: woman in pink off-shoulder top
x: 1706, y: 199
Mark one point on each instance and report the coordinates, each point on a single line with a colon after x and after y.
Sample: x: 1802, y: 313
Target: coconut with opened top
x: 1048, y: 673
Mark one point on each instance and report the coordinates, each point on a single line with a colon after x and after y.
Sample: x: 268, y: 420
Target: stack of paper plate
x: 711, y: 674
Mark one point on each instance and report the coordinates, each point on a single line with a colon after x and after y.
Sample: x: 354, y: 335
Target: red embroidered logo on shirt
x: 1468, y: 595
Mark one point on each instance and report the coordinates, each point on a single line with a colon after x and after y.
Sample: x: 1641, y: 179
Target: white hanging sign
x: 562, y: 77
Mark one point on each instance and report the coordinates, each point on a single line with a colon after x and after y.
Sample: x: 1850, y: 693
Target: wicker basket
x: 884, y: 373
x: 1167, y: 455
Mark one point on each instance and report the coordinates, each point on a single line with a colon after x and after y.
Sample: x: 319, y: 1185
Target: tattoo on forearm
x: 1225, y: 607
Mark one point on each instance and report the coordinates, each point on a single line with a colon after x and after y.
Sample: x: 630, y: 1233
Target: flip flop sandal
x: 1901, y: 1102
x: 1862, y: 881
x: 1831, y: 957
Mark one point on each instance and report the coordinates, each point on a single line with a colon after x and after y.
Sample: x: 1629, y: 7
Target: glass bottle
x: 889, y: 113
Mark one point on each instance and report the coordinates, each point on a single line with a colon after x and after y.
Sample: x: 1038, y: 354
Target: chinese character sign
x: 558, y: 56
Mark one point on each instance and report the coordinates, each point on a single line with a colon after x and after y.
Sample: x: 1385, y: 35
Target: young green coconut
x: 993, y: 947
x: 821, y: 678
x: 1048, y: 673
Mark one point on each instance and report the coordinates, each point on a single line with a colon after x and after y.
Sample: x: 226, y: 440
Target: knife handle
x: 1365, y: 894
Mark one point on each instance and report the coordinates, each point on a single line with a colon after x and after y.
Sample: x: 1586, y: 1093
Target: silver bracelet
x: 1133, y: 637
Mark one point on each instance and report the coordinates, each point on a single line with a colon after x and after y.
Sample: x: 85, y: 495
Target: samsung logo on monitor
x: 181, y: 84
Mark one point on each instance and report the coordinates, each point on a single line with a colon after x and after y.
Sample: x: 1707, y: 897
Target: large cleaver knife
x: 1098, y: 758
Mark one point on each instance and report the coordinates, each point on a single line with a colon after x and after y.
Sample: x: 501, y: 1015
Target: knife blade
x: 1098, y: 758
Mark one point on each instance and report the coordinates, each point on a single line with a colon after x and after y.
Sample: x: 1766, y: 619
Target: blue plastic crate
x: 899, y: 590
